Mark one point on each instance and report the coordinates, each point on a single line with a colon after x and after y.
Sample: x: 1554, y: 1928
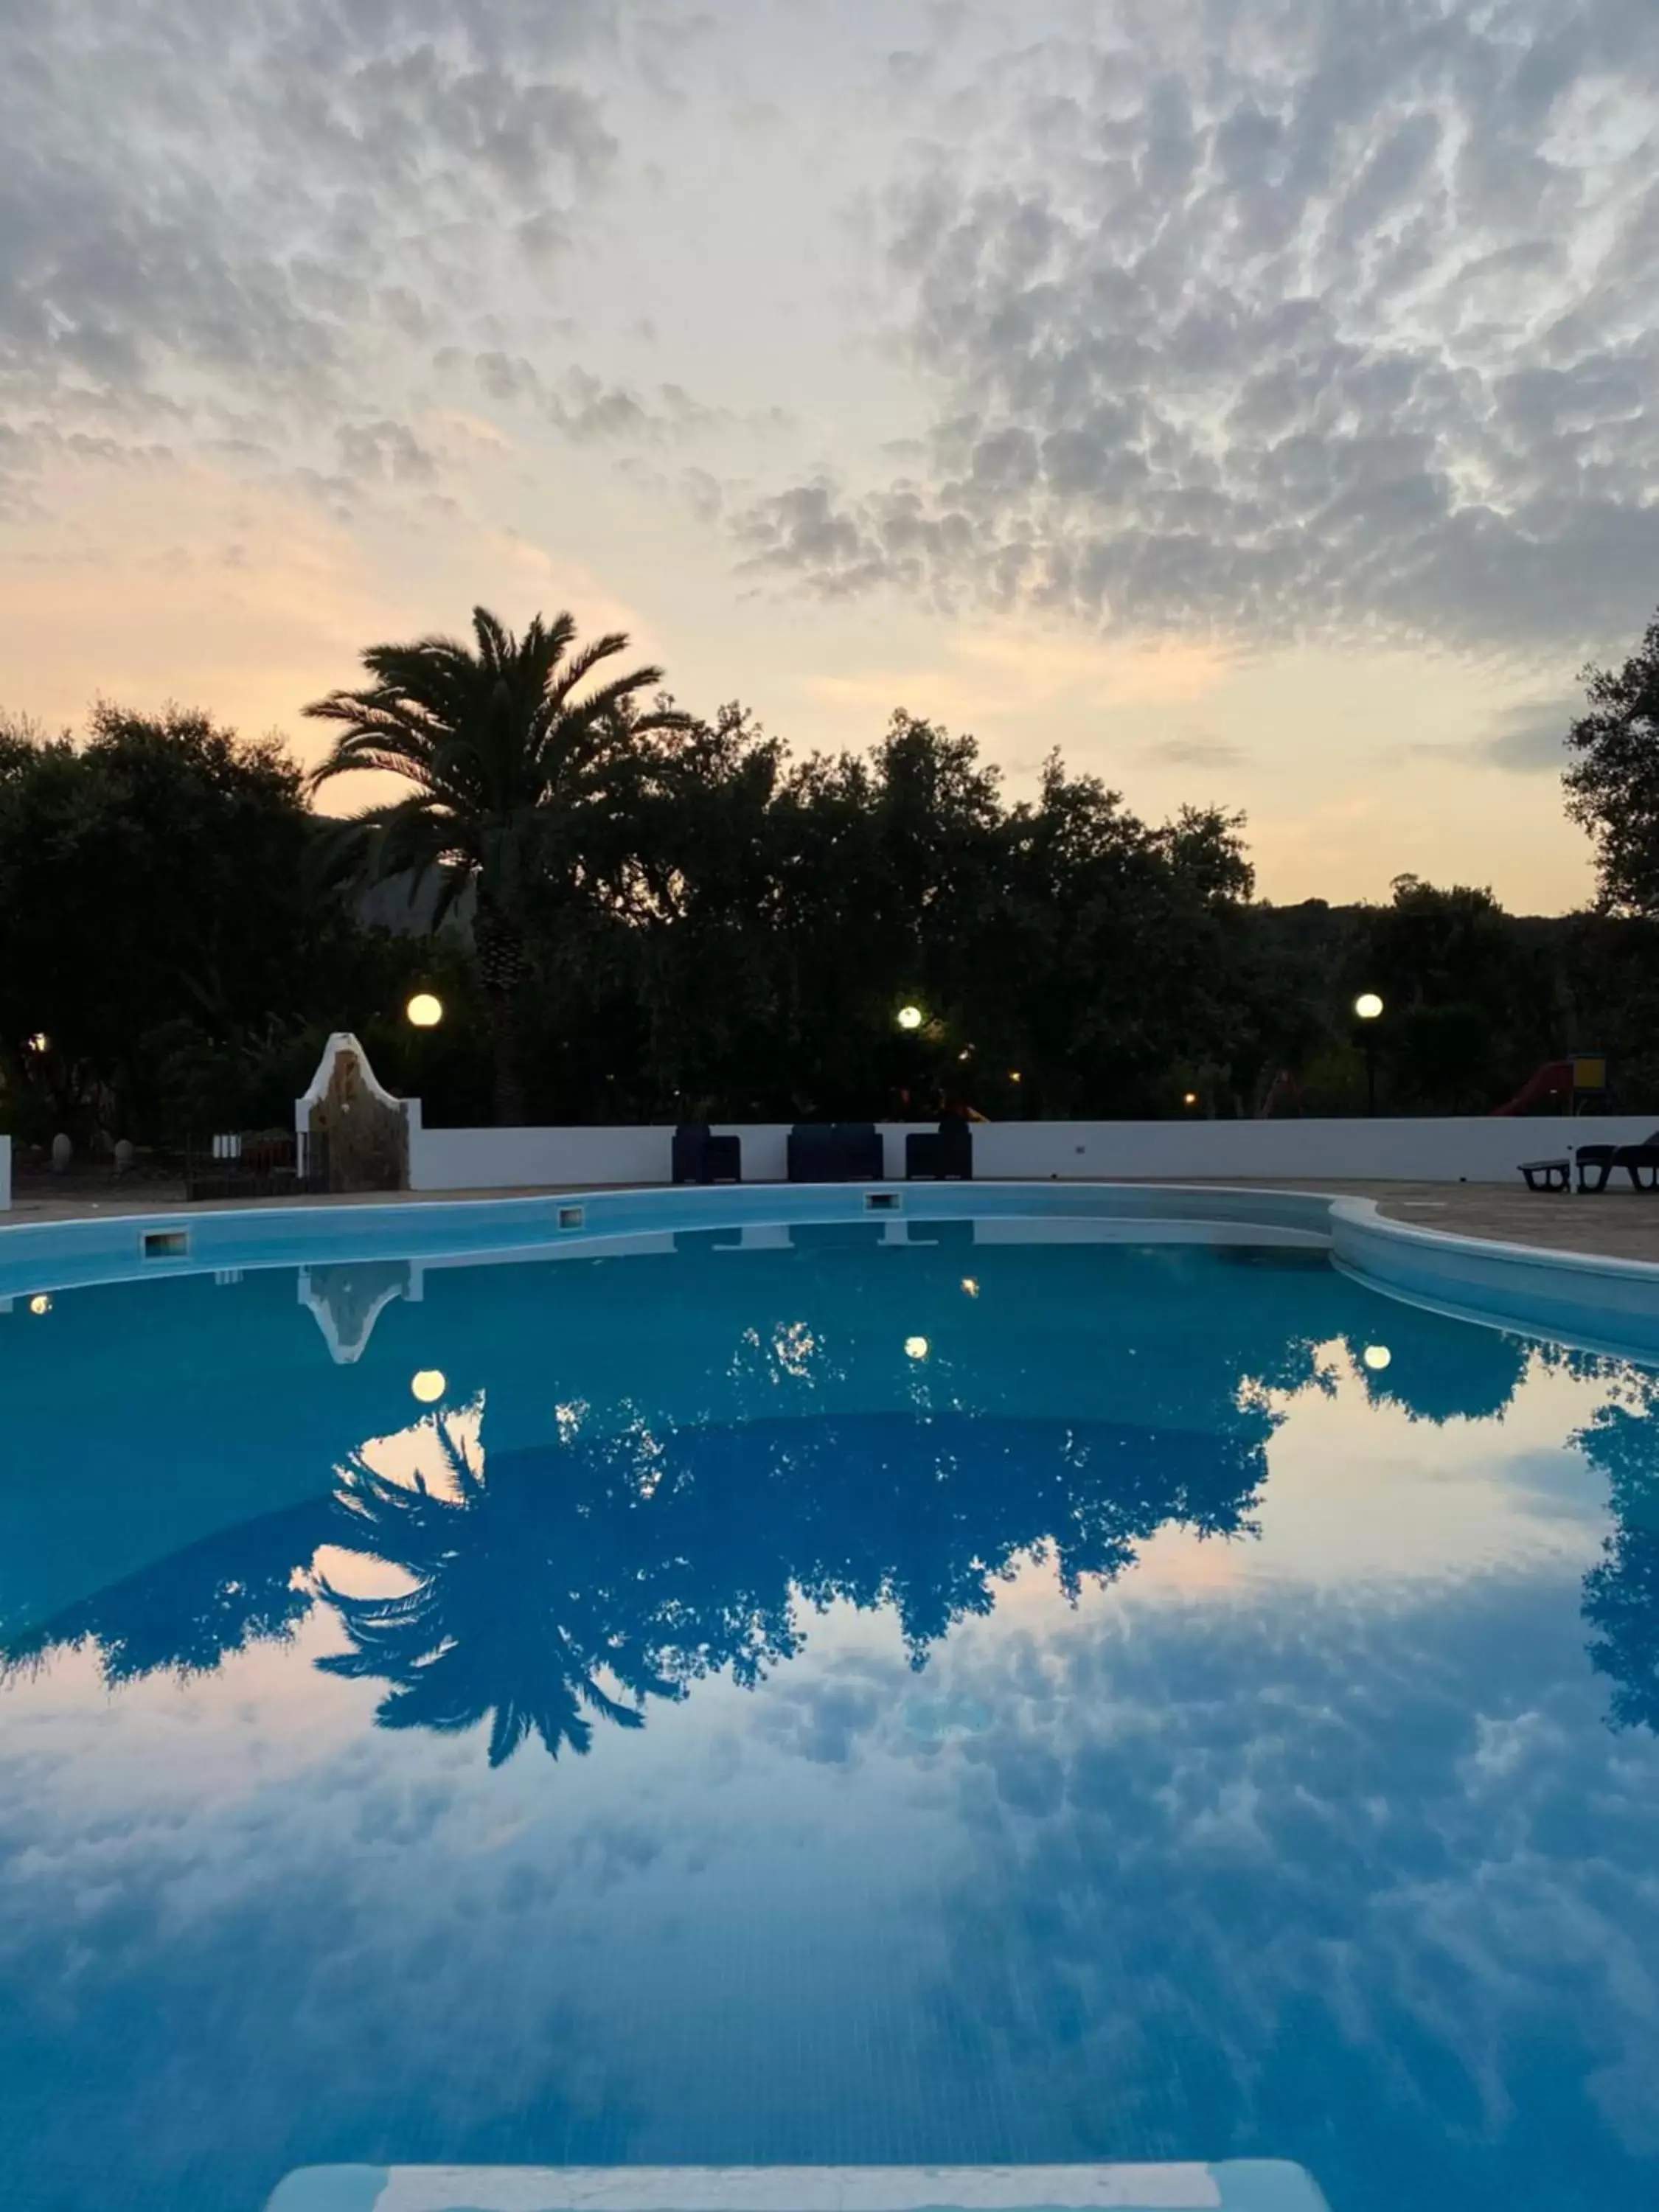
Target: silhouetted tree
x: 1613, y: 786
x: 153, y: 891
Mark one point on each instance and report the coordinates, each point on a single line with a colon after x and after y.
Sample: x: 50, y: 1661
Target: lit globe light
x: 1189, y: 1098
x: 428, y: 1386
x: 1367, y: 1006
x: 1376, y: 1356
x: 40, y: 1042
x: 909, y: 1018
x: 916, y: 1348
x: 1013, y: 1075
x: 40, y: 1304
x: 424, y: 1012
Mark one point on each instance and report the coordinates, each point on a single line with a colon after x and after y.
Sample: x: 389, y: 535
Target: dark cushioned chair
x: 939, y: 1155
x: 700, y: 1157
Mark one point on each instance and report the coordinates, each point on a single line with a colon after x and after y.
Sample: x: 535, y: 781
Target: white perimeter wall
x: 1486, y: 1149
x: 1440, y: 1149
x: 508, y: 1159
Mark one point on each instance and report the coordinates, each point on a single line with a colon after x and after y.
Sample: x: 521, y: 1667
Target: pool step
x: 1237, y: 2185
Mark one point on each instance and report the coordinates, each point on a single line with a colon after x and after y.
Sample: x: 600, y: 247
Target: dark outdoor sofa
x: 836, y: 1152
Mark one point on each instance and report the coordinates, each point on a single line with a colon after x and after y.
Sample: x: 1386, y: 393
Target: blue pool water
x: 842, y: 1698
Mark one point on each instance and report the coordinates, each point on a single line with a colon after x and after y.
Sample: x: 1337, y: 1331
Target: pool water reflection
x: 782, y: 1705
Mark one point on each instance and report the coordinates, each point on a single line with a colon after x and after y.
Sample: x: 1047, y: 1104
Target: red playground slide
x: 1554, y: 1080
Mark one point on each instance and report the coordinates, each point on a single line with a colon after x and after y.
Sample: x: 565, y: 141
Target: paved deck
x: 1614, y: 1224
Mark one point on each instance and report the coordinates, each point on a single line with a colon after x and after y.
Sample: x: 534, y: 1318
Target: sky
x: 1256, y: 399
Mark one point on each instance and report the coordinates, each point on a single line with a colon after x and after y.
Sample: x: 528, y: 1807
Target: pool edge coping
x: 1539, y: 1289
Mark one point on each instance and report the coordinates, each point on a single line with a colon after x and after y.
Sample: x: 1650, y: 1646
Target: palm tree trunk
x: 499, y: 940
x: 510, y: 1110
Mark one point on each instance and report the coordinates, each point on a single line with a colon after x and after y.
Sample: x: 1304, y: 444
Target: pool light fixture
x: 970, y: 1284
x: 1376, y: 1356
x: 428, y: 1386
x: 1367, y: 1006
x: 424, y: 1011
x: 916, y: 1348
x: 39, y: 1304
x: 909, y: 1018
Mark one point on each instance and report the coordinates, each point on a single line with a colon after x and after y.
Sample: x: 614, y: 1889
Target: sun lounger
x: 1596, y: 1163
x: 1556, y: 1175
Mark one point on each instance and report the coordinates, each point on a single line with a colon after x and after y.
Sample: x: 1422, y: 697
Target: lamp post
x: 1367, y: 1008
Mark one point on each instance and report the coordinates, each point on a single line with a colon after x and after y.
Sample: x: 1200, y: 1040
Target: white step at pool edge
x: 1240, y: 2185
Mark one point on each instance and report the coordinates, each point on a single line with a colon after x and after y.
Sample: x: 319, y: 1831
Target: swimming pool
x: 908, y: 1691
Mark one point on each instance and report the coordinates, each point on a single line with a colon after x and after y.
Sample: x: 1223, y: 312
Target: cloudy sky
x: 1255, y: 398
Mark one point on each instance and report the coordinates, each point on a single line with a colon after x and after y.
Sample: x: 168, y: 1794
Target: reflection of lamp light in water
x: 40, y: 1304
x: 1378, y: 1357
x: 428, y: 1386
x: 970, y: 1284
x: 909, y: 1018
x: 915, y: 1347
x: 424, y: 1011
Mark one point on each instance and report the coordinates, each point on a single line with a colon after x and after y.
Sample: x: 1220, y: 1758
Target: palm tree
x: 508, y: 766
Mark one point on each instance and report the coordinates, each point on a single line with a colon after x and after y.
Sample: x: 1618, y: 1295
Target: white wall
x: 5, y: 1173
x: 1445, y: 1150
x: 1441, y: 1149
x: 519, y: 1159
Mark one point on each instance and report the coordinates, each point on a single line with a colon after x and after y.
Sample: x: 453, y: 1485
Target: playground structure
x: 1576, y: 1086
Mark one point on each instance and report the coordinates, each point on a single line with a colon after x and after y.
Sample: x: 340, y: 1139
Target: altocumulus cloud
x: 1278, y: 317
x: 233, y: 214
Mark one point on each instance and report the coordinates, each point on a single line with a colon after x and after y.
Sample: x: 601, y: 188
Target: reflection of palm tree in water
x: 506, y: 1614
x: 591, y: 1575
x: 588, y: 1575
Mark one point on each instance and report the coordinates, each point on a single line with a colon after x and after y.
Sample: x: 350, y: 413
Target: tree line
x: 628, y: 912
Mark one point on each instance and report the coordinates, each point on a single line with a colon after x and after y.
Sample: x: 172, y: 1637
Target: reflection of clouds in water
x: 826, y: 1719
x: 942, y: 1719
x: 1161, y: 1860
x: 1318, y: 1866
